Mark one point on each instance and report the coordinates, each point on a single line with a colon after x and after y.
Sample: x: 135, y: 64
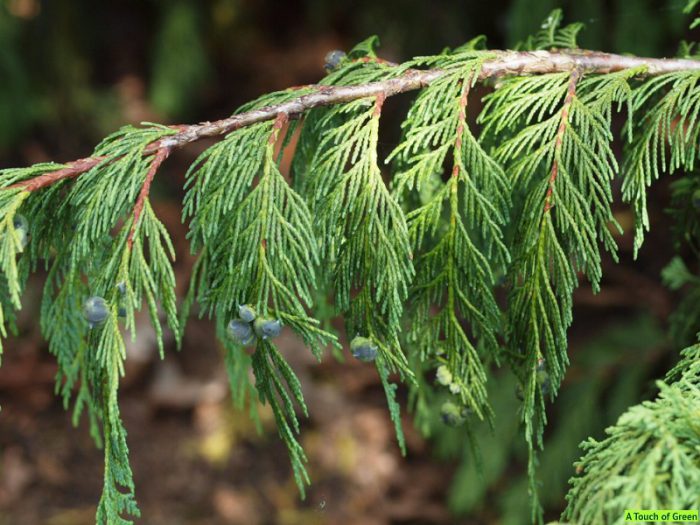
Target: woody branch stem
x: 563, y: 123
x: 158, y: 159
x: 503, y: 63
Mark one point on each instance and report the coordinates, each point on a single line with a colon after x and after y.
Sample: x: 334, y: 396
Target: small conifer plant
x: 411, y: 248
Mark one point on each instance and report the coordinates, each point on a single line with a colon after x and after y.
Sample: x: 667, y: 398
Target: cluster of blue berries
x: 363, y: 349
x: 333, y: 60
x: 21, y: 226
x: 248, y: 324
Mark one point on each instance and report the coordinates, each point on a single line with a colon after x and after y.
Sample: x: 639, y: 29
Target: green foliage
x: 10, y: 247
x: 690, y: 6
x: 551, y: 34
x: 273, y: 377
x: 394, y: 407
x: 180, y: 63
x: 684, y: 320
x: 364, y: 238
x: 238, y: 364
x: 81, y: 231
x: 257, y: 247
x: 413, y: 266
x: 554, y: 139
x: 674, y: 104
x: 685, y: 325
x: 599, y: 388
x: 649, y: 460
x: 363, y: 231
x: 455, y: 257
x: 118, y: 498
x: 16, y: 96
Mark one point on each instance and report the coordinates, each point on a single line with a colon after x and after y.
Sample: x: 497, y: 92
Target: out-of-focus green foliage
x: 180, y: 63
x: 17, y: 111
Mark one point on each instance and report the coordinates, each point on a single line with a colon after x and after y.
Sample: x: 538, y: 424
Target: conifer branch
x: 504, y: 63
x: 526, y: 204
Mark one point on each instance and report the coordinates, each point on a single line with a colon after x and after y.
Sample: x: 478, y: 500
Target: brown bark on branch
x: 73, y: 169
x: 504, y: 63
x: 563, y: 123
x: 158, y: 159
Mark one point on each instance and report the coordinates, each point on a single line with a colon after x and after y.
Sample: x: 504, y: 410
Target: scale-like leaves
x: 106, y: 359
x: 95, y: 252
x: 456, y: 261
x: 557, y: 152
x: 363, y: 230
x: 277, y: 385
x: 103, y: 196
x: 553, y: 35
x: 665, y: 139
x: 649, y: 460
x: 260, y: 249
x: 11, y: 245
x: 544, y: 158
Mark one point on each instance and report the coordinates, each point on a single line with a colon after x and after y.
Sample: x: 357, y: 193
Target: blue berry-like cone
x: 20, y: 222
x: 333, y: 59
x: 21, y: 226
x: 240, y: 331
x: 95, y: 310
x: 266, y: 327
x: 363, y: 348
x: 122, y: 288
x: 247, y: 313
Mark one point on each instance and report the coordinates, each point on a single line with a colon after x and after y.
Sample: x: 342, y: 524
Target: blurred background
x: 72, y: 71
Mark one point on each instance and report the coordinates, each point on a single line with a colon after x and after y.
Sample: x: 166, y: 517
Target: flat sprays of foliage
x: 411, y: 260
